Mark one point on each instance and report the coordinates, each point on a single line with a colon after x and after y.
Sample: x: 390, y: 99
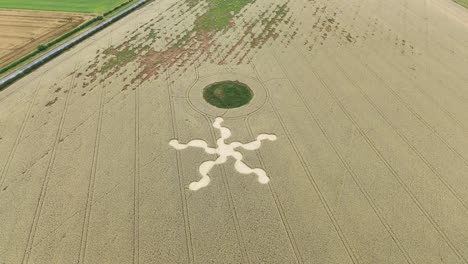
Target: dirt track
x: 367, y: 99
x: 23, y: 31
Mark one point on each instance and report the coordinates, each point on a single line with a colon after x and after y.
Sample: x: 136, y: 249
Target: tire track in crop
x: 45, y: 182
x: 406, y: 140
x: 312, y: 180
x: 185, y: 210
x: 350, y: 171
x: 279, y: 206
x: 426, y: 23
x: 136, y: 183
x: 414, y: 112
x: 405, y: 10
x: 12, y: 152
x: 423, y: 92
x: 92, y: 178
x: 387, y: 164
x: 232, y: 206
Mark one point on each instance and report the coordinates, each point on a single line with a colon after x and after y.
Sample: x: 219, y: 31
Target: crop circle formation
x: 228, y: 94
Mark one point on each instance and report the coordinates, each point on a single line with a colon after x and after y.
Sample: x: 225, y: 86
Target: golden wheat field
x: 353, y: 148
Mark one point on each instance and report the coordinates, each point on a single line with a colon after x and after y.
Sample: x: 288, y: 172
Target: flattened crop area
x: 22, y: 31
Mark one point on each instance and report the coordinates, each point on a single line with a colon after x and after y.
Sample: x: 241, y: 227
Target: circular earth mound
x: 228, y: 94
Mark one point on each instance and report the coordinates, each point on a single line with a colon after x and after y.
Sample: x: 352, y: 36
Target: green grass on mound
x: 228, y: 94
x: 462, y: 2
x: 81, y: 6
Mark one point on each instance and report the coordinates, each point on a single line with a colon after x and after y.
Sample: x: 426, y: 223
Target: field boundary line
x: 45, y: 182
x: 314, y: 184
x: 387, y: 164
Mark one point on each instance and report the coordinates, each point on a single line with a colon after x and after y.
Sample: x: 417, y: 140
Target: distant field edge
x: 77, y: 6
x: 43, y: 48
x: 114, y: 15
x: 463, y: 3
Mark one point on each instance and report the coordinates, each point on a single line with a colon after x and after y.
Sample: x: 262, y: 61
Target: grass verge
x: 462, y: 2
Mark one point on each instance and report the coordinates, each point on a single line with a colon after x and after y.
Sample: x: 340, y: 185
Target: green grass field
x: 81, y: 6
x: 462, y: 2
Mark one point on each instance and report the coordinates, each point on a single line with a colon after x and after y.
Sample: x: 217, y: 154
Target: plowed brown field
x: 22, y: 31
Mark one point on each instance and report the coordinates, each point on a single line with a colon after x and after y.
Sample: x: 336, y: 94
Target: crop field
x: 340, y: 137
x: 22, y: 31
x: 462, y: 2
x: 79, y: 6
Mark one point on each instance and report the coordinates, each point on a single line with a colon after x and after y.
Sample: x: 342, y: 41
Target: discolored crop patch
x: 192, y: 31
x: 52, y: 102
x: 219, y: 14
x: 118, y: 58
